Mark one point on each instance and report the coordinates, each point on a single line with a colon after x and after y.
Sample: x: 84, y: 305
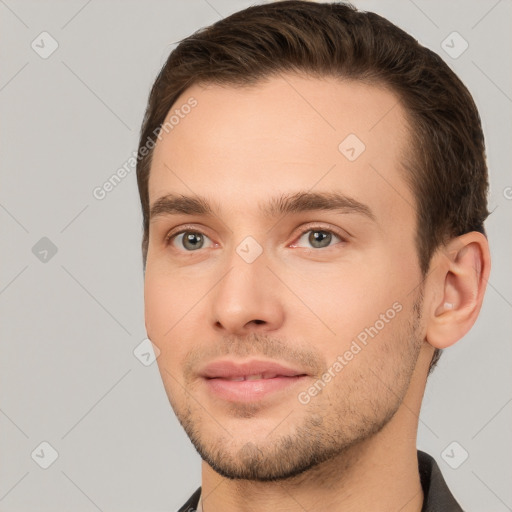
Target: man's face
x: 283, y: 294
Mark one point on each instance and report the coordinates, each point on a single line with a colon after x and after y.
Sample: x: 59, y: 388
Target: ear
x: 459, y: 279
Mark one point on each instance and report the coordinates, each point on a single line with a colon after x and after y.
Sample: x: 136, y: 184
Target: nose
x: 248, y: 298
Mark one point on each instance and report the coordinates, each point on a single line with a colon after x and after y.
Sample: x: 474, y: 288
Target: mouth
x: 249, y: 381
x: 252, y: 377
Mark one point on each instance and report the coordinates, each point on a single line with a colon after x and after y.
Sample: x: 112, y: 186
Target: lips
x: 248, y: 381
x: 250, y: 370
x: 254, y: 377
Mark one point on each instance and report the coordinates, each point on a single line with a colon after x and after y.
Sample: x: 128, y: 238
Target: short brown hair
x: 447, y: 169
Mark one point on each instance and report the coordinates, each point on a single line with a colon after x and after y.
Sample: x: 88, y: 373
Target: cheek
x: 376, y: 357
x: 165, y: 295
x: 156, y: 302
x: 172, y: 303
x: 365, y: 301
x: 164, y: 305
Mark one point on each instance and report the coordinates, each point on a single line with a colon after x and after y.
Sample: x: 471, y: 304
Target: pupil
x: 317, y: 237
x: 192, y: 240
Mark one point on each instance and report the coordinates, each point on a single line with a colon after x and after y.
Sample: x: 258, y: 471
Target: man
x: 313, y: 185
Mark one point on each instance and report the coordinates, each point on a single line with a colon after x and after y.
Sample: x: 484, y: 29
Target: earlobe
x: 462, y: 271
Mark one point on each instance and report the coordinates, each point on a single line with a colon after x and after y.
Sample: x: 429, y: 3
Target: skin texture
x: 353, y: 444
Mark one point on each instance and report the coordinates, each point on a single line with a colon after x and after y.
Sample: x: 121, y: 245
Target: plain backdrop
x: 71, y: 282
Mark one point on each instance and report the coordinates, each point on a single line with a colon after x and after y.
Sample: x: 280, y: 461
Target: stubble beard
x: 323, y: 434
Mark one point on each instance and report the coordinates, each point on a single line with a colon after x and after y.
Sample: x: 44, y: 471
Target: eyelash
x: 190, y: 229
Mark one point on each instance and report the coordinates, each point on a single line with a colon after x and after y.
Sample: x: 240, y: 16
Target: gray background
x: 71, y: 320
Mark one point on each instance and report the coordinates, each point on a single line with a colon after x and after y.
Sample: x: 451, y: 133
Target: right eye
x: 189, y: 240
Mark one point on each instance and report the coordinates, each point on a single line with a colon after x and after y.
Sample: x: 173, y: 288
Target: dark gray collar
x: 437, y: 496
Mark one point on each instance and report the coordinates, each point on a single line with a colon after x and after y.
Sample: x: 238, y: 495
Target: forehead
x: 289, y: 133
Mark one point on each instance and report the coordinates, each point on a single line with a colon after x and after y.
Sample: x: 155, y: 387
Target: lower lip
x: 250, y: 390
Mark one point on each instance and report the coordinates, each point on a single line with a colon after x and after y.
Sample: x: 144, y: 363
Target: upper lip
x: 228, y: 369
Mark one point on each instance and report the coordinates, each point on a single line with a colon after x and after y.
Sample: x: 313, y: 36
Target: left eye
x: 319, y: 238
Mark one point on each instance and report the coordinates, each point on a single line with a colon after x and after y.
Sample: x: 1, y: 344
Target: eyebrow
x: 175, y: 204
